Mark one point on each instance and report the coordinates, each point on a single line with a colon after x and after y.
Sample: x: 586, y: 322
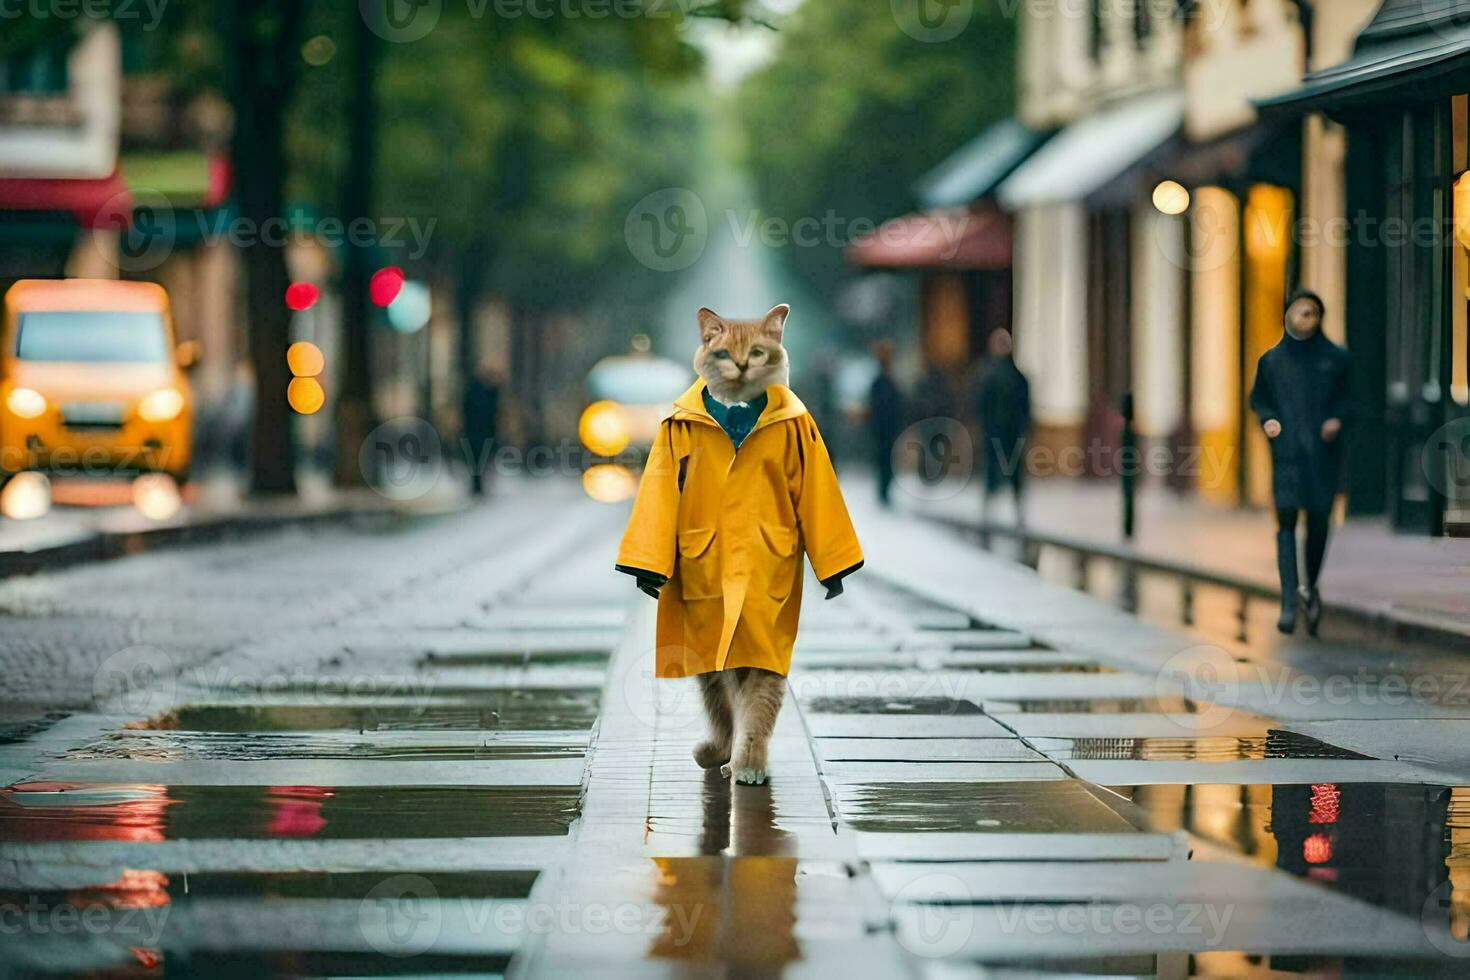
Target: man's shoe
x: 1287, y: 623
x: 1312, y: 600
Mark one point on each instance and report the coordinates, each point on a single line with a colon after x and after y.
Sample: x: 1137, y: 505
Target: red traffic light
x: 302, y: 296
x: 385, y: 285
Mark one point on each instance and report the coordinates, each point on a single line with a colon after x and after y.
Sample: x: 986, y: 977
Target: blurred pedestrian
x: 481, y: 420
x: 885, y: 418
x: 1302, y: 397
x: 1003, y: 409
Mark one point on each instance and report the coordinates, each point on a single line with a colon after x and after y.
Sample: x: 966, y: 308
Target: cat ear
x: 775, y: 321
x: 709, y: 323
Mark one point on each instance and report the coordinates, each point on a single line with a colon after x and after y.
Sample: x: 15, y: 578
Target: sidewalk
x: 1407, y: 583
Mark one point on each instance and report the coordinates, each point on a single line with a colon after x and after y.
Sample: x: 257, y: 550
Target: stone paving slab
x: 328, y: 772
x: 906, y: 726
x: 942, y: 848
x: 926, y: 750
x: 1048, y: 724
x: 939, y: 772
x: 1131, y: 772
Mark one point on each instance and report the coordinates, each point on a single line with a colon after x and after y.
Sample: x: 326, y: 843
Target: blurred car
x: 630, y: 394
x: 92, y: 380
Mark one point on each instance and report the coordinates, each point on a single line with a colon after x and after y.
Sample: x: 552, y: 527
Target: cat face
x: 738, y: 358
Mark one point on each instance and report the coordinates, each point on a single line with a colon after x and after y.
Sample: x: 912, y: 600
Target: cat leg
x: 719, y: 711
x: 757, y: 703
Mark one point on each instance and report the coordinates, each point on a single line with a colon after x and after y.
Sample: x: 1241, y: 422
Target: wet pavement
x: 465, y: 767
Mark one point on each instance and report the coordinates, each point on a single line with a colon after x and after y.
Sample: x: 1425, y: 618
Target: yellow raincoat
x: 728, y: 529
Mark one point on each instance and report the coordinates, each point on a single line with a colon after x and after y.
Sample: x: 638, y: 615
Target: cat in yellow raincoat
x: 737, y: 487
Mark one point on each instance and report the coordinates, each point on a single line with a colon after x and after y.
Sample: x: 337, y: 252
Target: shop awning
x: 95, y: 202
x: 1408, y: 43
x: 1094, y: 151
x: 975, y: 169
x: 957, y: 238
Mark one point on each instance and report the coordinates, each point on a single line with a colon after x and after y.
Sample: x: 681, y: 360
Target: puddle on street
x: 144, y: 813
x: 524, y: 710
x: 890, y: 706
x: 1218, y: 965
x: 736, y: 913
x: 1273, y: 745
x: 1389, y: 844
x: 330, y: 963
x: 148, y: 746
x: 1093, y: 706
x: 14, y: 730
x: 1028, y: 807
x: 590, y: 657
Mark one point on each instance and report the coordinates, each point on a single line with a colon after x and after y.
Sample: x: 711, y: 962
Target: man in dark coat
x: 481, y: 422
x: 885, y: 418
x: 1302, y: 397
x: 1003, y: 408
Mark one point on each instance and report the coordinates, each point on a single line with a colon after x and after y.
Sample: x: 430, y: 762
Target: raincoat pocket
x: 787, y: 565
x: 699, y: 572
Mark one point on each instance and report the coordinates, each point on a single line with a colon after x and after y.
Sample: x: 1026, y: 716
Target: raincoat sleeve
x: 826, y: 528
x: 647, y: 549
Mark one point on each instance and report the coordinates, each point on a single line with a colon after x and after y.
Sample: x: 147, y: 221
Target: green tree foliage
x: 853, y: 111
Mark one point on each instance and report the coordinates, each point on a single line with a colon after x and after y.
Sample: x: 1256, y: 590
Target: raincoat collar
x: 781, y: 404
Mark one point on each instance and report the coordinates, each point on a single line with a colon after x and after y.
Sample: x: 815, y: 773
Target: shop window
x: 35, y: 73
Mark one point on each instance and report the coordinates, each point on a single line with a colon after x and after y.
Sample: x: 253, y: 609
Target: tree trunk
x: 355, y: 415
x: 263, y: 76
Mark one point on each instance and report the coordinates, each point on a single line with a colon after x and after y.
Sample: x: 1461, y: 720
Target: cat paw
x: 725, y: 770
x: 708, y: 755
x: 750, y: 776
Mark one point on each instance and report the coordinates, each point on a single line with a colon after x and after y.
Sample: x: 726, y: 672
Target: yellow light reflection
x: 604, y: 428
x: 26, y: 496
x: 305, y: 395
x: 156, y: 496
x: 609, y: 483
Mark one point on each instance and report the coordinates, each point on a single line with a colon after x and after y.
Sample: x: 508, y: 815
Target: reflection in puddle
x: 16, y: 730
x: 524, y: 710
x: 348, y: 885
x: 738, y: 912
x: 586, y: 657
x: 1388, y: 844
x: 1027, y: 807
x: 1273, y: 745
x: 64, y: 812
x: 254, y: 746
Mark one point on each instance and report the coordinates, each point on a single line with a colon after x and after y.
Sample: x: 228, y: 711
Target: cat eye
x: 757, y: 352
x: 723, y: 355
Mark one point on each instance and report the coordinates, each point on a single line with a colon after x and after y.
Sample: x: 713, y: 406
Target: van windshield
x: 92, y: 336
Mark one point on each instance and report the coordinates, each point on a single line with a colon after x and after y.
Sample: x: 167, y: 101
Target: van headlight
x: 26, y: 403
x: 161, y: 405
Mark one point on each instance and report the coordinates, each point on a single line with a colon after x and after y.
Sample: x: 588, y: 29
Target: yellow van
x: 92, y: 380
